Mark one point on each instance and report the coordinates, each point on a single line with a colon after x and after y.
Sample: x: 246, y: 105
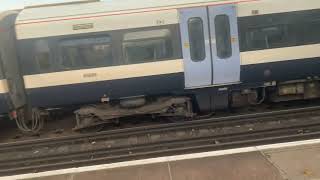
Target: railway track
x: 153, y: 141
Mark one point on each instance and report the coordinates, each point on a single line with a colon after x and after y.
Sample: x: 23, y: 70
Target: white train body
x: 205, y: 49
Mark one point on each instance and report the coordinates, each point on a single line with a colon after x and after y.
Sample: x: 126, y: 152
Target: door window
x: 196, y: 39
x: 223, y: 36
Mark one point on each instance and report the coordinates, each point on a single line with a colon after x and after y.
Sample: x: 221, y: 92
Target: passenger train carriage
x: 212, y: 54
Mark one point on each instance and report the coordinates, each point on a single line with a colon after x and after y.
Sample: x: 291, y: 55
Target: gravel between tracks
x: 142, y: 142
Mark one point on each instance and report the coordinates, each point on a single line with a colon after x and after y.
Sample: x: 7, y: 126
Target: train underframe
x: 188, y: 105
x: 196, y: 102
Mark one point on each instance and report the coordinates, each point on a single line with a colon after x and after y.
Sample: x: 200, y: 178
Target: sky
x: 19, y: 4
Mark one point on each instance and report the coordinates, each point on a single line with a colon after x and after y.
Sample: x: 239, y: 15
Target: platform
x: 286, y: 161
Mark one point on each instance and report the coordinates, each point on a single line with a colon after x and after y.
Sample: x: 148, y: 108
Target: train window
x: 42, y: 55
x: 279, y: 30
x: 267, y: 37
x: 196, y: 39
x: 86, y: 52
x: 309, y: 31
x: 223, y: 36
x: 147, y: 46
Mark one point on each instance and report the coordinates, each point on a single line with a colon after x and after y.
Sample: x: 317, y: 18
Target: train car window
x: 147, y: 46
x: 309, y: 31
x: 86, y: 52
x: 223, y: 36
x: 42, y: 55
x: 279, y: 30
x: 196, y: 39
x: 267, y: 37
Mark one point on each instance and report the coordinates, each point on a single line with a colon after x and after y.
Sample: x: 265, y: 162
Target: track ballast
x: 160, y: 140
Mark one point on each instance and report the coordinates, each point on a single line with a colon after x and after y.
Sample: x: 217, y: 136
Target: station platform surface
x: 286, y: 161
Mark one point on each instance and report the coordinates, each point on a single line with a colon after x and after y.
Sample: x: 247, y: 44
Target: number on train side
x: 160, y: 22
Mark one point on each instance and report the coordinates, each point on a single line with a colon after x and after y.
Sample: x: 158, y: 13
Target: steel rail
x: 285, y: 132
x: 218, y: 122
x: 169, y: 148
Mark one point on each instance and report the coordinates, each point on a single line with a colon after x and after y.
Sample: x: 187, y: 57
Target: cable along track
x: 160, y: 140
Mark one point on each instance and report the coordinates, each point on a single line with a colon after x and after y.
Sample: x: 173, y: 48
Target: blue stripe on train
x: 281, y: 71
x: 3, y: 105
x: 93, y: 92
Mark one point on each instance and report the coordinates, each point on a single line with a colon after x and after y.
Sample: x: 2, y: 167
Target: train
x: 176, y: 58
